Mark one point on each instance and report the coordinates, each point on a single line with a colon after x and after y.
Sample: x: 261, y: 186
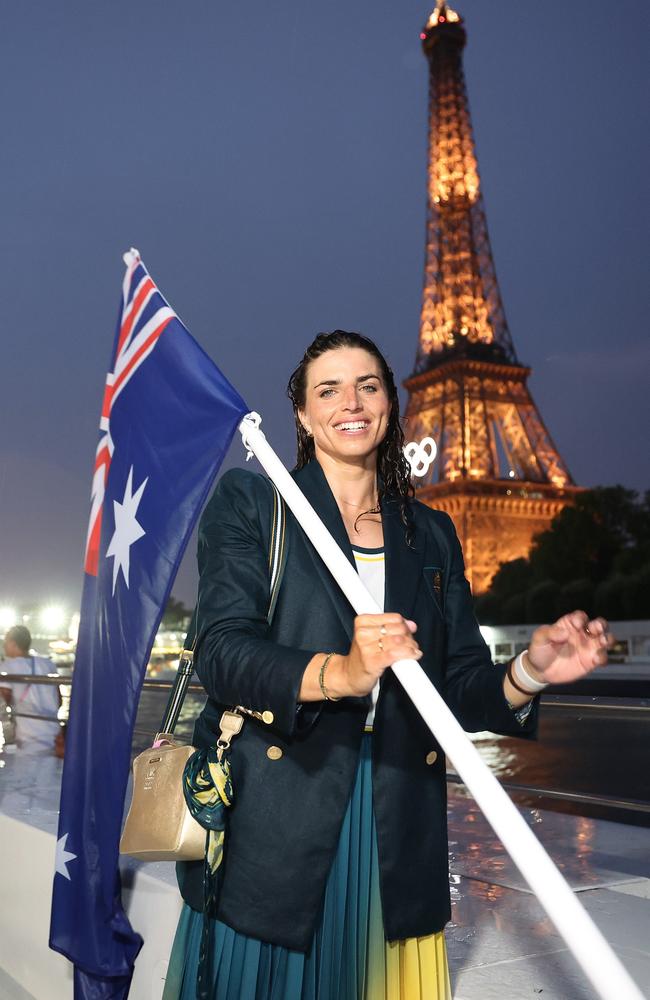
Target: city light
x: 73, y: 628
x: 52, y: 618
x: 8, y: 618
x: 488, y: 633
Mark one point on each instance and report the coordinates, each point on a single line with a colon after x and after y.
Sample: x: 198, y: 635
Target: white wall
x: 26, y: 871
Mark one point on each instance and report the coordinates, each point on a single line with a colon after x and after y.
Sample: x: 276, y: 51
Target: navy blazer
x: 283, y: 827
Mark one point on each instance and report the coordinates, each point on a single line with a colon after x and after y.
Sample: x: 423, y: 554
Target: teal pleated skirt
x: 349, y: 958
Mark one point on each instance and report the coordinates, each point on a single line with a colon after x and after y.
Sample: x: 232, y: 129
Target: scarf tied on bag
x: 207, y: 787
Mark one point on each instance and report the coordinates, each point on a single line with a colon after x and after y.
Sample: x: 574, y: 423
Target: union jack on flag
x: 144, y: 316
x: 167, y: 420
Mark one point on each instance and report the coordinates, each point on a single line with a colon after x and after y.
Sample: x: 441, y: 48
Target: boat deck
x: 501, y: 945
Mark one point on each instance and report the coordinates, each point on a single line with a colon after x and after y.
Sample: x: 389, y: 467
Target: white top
x: 32, y: 735
x: 371, y: 568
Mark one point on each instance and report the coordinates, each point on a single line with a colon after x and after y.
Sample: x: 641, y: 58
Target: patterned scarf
x: 207, y: 786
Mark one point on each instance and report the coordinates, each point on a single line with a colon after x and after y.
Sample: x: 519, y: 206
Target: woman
x: 335, y: 881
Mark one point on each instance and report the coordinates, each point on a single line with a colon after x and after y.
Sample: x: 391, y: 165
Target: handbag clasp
x: 230, y: 725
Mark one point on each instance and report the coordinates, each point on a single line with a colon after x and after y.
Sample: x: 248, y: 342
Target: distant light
x: 512, y: 473
x: 52, y: 618
x: 487, y: 632
x: 423, y: 35
x: 8, y: 618
x: 61, y: 645
x: 73, y: 627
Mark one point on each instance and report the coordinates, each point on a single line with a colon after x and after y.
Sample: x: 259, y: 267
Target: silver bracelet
x: 524, y: 677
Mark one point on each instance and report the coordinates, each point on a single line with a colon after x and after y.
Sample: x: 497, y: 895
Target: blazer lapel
x: 315, y: 487
x: 403, y: 563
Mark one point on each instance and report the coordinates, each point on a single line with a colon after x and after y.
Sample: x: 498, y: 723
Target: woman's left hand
x: 569, y: 649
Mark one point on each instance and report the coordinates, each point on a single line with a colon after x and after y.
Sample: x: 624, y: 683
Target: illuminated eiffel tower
x: 498, y: 473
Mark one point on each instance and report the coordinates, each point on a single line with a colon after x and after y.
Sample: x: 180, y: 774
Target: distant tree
x: 585, y: 539
x: 636, y: 594
x: 540, y: 602
x: 575, y: 594
x: 609, y: 597
x: 176, y: 614
x: 594, y: 556
x: 488, y: 609
x: 511, y: 577
x: 503, y: 603
x: 635, y: 557
x: 513, y: 609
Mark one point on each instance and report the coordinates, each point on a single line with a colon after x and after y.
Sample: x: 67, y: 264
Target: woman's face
x: 346, y: 405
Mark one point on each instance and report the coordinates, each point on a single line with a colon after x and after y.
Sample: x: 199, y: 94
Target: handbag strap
x: 276, y: 549
x: 186, y: 662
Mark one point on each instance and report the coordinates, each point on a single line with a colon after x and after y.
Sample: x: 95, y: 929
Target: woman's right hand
x: 379, y: 640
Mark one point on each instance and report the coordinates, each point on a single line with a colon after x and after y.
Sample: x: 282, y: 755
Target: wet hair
x: 393, y: 471
x: 21, y: 636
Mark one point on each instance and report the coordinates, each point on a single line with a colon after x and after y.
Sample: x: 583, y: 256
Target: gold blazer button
x: 274, y: 753
x: 431, y: 757
x: 267, y: 717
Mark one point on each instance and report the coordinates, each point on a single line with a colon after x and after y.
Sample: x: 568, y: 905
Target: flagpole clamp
x: 251, y: 421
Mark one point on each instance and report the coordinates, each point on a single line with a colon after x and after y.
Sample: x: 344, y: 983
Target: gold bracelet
x: 321, y: 679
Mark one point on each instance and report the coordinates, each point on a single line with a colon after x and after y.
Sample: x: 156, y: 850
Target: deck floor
x: 501, y: 944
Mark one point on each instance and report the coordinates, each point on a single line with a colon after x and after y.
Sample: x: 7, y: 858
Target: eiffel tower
x: 497, y: 472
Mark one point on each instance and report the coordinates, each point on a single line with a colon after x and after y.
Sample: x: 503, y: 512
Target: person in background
x: 32, y: 735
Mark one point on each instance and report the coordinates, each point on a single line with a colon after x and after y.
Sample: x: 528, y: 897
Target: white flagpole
x: 590, y: 949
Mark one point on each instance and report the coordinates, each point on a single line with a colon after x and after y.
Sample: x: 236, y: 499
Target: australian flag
x: 167, y: 420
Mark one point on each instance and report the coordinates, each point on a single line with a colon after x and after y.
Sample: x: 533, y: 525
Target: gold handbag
x: 159, y: 826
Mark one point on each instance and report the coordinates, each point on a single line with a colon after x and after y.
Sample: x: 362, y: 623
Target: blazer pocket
x: 433, y: 579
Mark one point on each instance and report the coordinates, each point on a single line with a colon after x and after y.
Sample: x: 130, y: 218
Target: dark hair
x: 393, y: 470
x: 21, y: 636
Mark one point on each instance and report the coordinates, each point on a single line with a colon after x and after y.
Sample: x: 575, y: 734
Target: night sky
x: 269, y: 162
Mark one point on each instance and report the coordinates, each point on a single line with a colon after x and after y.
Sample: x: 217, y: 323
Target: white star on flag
x: 127, y: 530
x: 62, y: 857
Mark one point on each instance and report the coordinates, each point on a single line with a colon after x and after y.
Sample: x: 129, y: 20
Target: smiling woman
x: 343, y: 382
x: 341, y: 401
x: 334, y: 881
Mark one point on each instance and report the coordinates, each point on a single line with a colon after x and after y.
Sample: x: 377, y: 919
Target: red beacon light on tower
x: 442, y: 14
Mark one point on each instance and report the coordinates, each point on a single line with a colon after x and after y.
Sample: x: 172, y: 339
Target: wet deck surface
x: 501, y: 945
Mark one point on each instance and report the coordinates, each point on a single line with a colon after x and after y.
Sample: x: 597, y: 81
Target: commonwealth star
x: 127, y: 529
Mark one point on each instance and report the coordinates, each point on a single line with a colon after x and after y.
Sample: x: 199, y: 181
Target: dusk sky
x: 269, y: 162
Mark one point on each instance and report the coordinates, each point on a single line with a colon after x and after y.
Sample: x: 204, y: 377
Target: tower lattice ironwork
x: 498, y: 472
